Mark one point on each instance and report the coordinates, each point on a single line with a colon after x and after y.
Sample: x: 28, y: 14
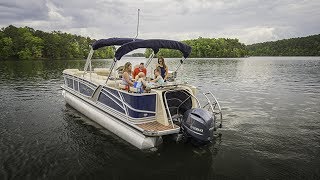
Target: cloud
x: 17, y: 11
x: 248, y: 20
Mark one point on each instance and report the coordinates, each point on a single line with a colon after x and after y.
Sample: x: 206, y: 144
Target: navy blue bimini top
x: 155, y: 45
x: 112, y: 42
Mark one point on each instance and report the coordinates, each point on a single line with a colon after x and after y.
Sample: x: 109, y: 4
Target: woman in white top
x: 126, y: 75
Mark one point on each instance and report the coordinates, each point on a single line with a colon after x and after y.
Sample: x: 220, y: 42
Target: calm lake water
x: 271, y: 129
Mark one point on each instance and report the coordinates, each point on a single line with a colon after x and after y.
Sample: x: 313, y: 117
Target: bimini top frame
x: 104, y: 43
x: 112, y: 42
x: 155, y: 45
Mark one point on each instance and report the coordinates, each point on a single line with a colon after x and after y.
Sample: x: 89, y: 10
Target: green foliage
x: 208, y: 48
x: 25, y: 54
x: 27, y: 43
x: 302, y: 46
x: 137, y: 55
x: 6, y: 46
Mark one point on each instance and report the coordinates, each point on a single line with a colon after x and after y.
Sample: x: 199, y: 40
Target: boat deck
x: 155, y: 126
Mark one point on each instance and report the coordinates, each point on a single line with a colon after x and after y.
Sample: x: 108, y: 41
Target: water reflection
x: 91, y: 145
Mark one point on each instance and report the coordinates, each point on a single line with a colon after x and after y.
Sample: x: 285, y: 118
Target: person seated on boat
x: 126, y: 76
x: 139, y: 70
x: 157, y: 81
x: 139, y: 85
x: 119, y: 71
x: 163, y: 67
x: 139, y: 76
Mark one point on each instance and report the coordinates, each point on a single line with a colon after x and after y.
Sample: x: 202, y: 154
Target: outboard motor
x: 198, y: 125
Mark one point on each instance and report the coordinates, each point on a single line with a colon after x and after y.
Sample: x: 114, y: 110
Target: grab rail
x: 213, y: 105
x: 166, y: 103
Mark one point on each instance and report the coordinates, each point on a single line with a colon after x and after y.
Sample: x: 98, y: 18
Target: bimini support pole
x: 111, y: 69
x: 181, y: 62
x: 114, y: 49
x: 150, y: 59
x: 88, y: 62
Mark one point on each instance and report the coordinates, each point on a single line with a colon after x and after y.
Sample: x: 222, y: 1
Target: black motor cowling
x: 198, y: 125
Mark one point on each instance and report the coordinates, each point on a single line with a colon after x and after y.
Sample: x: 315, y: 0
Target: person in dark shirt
x: 163, y: 68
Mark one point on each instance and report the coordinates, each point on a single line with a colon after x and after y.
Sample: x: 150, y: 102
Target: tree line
x: 302, y: 46
x: 208, y: 48
x: 27, y: 43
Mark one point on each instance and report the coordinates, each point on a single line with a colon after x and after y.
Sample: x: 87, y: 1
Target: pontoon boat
x: 142, y: 119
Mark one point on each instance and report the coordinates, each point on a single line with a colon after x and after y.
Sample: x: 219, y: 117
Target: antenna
x: 137, y: 26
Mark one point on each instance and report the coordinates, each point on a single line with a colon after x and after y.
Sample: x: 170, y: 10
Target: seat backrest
x: 102, y: 71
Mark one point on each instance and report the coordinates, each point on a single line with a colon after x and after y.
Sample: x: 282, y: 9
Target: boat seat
x: 172, y: 75
x: 70, y: 71
x: 121, y: 86
x: 131, y: 89
x: 114, y: 83
x: 79, y: 73
x: 102, y: 71
x: 135, y: 90
x: 102, y: 80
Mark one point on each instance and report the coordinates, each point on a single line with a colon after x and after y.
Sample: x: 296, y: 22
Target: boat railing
x: 179, y: 65
x: 124, y: 106
x: 111, y: 69
x: 213, y: 105
x: 88, y: 61
x: 149, y: 59
x: 189, y: 95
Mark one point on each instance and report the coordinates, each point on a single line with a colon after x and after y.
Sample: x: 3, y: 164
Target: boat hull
x: 111, y: 123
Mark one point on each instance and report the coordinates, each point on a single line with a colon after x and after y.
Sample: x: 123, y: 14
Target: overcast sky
x: 250, y: 21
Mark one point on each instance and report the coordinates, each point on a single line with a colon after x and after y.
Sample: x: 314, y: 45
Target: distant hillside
x: 27, y: 43
x: 135, y: 55
x: 302, y: 46
x: 208, y: 48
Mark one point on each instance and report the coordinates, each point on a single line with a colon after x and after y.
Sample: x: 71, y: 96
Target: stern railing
x: 213, y: 105
x: 189, y: 95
